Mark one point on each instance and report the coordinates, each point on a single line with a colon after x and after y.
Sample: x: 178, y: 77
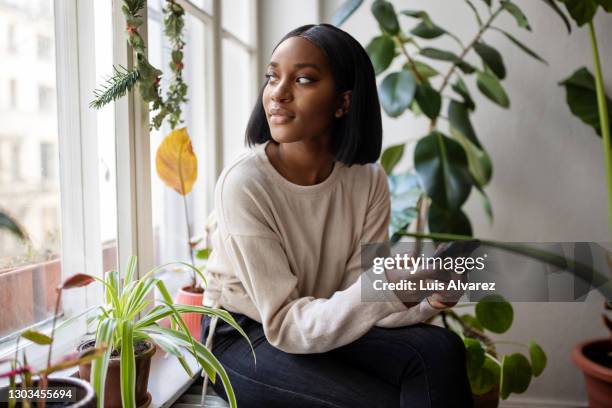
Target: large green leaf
x: 494, y: 313
x: 581, y: 98
x: 460, y: 87
x: 385, y: 15
x: 486, y: 378
x: 429, y: 100
x: 471, y: 321
x: 521, y: 18
x: 479, y: 162
x: 582, y: 11
x: 490, y: 86
x: 522, y: 46
x: 345, y: 10
x: 36, y: 337
x: 538, y: 358
x: 474, y: 356
x: 491, y: 58
x: 127, y: 366
x: 381, y: 51
x: 605, y: 4
x: 438, y: 54
x: 396, y: 92
x: 405, y: 192
x: 515, y: 375
x: 557, y: 9
x: 442, y: 167
x: 441, y: 220
x: 424, y: 70
x: 391, y: 156
x: 427, y: 30
x: 9, y: 223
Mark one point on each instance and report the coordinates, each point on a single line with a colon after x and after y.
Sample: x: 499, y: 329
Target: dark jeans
x: 416, y: 366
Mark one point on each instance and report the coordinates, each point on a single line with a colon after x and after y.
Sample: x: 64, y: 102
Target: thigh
x: 280, y: 379
x: 431, y: 355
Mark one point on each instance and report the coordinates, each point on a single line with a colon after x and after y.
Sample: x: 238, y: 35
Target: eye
x: 270, y: 76
x: 304, y: 80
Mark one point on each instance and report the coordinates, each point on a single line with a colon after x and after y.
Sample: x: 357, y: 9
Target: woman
x: 292, y: 214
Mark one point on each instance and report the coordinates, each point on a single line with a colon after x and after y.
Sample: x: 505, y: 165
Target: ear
x: 344, y: 102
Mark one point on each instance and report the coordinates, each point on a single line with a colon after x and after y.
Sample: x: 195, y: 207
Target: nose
x: 281, y: 91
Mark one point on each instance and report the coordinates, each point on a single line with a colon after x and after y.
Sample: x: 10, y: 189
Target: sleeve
x: 376, y: 230
x: 291, y: 323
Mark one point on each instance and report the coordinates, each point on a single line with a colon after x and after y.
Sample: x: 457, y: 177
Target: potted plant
x: 132, y: 332
x: 493, y: 376
x: 69, y: 391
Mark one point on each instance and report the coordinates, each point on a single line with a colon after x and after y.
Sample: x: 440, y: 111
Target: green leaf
x: 465, y: 67
x: 557, y: 9
x: 204, y: 253
x: 486, y: 204
x: 99, y: 368
x: 424, y: 70
x: 474, y: 356
x: 441, y: 220
x: 494, y: 313
x: 427, y: 30
x: 460, y: 87
x: 471, y: 321
x: 416, y: 14
x: 581, y: 98
x: 522, y: 46
x: 442, y: 168
x: 488, y: 2
x: 429, y: 100
x: 391, y: 156
x: 405, y: 192
x: 582, y: 11
x: 396, y: 92
x: 490, y: 86
x: 385, y: 15
x: 438, y: 54
x: 345, y: 10
x: 491, y: 58
x: 127, y: 365
x: 486, y: 378
x: 515, y: 375
x: 37, y: 337
x: 381, y: 51
x: 9, y: 223
x: 479, y: 162
x: 537, y: 357
x: 518, y: 14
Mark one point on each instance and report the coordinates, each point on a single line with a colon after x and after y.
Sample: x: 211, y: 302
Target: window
x: 11, y: 44
x: 16, y: 161
x: 44, y: 47
x: 47, y: 161
x: 12, y: 94
x: 45, y: 98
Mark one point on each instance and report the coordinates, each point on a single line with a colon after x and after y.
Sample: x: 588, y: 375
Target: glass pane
x: 29, y: 169
x: 237, y: 99
x: 106, y: 138
x: 169, y: 220
x: 236, y: 18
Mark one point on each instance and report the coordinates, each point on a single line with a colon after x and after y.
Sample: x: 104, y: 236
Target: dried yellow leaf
x: 176, y: 163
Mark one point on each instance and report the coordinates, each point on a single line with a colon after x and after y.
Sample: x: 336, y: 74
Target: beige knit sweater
x: 288, y: 256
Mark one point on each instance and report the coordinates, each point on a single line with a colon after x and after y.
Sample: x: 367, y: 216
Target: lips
x: 279, y: 116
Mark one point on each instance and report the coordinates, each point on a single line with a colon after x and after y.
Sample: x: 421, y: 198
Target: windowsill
x: 168, y: 380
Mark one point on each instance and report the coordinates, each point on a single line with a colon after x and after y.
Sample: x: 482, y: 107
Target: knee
x: 451, y: 345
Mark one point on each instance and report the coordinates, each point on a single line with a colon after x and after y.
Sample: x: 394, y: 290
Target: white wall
x: 548, y: 182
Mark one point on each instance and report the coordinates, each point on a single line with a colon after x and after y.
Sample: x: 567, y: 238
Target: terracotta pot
x: 488, y: 400
x: 112, y: 388
x: 193, y: 320
x: 589, y: 356
x: 84, y: 398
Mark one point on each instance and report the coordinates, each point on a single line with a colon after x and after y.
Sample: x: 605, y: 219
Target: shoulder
x: 370, y: 178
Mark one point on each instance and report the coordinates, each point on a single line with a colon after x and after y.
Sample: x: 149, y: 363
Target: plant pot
x: 187, y: 296
x: 85, y: 396
x: 590, y: 356
x: 112, y: 388
x: 487, y: 400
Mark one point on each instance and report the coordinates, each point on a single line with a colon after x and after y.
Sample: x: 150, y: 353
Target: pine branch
x: 115, y: 87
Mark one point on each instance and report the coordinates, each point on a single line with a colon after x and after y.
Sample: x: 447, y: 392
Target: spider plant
x: 125, y: 320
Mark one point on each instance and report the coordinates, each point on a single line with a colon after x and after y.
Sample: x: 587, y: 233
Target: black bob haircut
x: 357, y: 135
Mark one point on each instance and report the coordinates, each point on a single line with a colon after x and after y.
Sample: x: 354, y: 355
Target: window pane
x: 169, y: 221
x: 237, y: 99
x: 29, y: 184
x: 236, y: 18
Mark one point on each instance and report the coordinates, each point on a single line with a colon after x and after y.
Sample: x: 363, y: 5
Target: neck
x: 304, y: 163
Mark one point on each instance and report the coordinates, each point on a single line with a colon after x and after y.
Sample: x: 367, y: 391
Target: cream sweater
x: 288, y: 256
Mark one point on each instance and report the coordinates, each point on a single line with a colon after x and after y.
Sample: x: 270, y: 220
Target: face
x: 299, y: 98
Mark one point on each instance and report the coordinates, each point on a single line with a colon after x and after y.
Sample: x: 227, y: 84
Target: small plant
x: 29, y: 376
x: 119, y: 326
